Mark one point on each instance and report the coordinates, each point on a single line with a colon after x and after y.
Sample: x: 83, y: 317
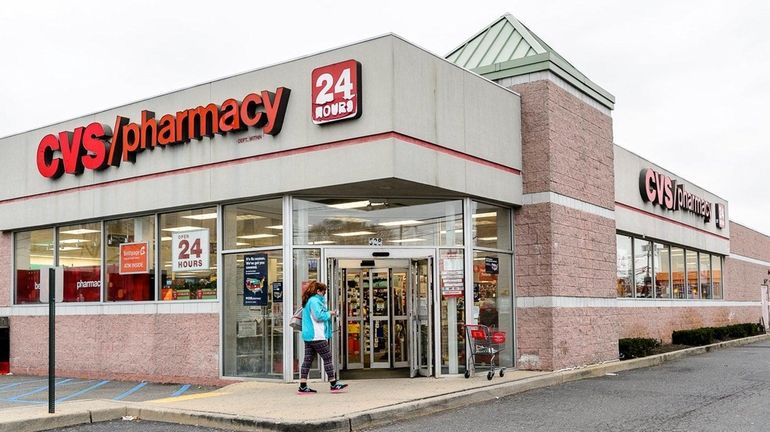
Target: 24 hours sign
x: 190, y: 251
x: 336, y: 92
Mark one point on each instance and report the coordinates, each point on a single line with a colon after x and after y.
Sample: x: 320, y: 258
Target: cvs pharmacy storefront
x: 187, y: 224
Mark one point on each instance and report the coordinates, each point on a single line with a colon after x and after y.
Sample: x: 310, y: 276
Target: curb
x: 365, y: 419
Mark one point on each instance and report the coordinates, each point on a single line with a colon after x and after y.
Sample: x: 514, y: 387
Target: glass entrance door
x: 376, y: 319
x: 421, y: 312
x: 379, y: 316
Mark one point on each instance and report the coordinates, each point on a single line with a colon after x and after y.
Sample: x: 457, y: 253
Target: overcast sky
x: 691, y: 78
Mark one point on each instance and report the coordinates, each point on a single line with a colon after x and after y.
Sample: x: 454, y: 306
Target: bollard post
x: 51, y: 340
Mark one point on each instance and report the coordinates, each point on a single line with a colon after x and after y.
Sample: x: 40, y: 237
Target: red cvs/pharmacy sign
x: 336, y: 92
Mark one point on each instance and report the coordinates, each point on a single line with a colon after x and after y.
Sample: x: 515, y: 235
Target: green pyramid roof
x: 507, y: 48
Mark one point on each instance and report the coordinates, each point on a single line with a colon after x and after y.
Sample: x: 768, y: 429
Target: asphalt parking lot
x: 29, y: 390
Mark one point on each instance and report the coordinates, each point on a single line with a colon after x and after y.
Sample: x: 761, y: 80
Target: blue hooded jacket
x: 316, y: 320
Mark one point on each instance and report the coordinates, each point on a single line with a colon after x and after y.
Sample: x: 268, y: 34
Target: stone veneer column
x: 565, y: 232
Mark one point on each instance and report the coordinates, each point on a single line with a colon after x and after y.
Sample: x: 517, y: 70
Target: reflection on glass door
x: 380, y: 319
x: 355, y: 311
x: 422, y: 336
x: 400, y: 293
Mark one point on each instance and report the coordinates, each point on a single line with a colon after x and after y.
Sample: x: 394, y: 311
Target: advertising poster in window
x: 134, y: 258
x: 277, y: 292
x: 451, y: 274
x: 491, y: 265
x: 255, y: 280
x: 190, y: 251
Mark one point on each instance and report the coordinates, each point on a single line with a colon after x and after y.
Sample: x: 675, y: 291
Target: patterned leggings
x: 321, y: 348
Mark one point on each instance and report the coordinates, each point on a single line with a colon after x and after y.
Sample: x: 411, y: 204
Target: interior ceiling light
x: 79, y: 231
x: 73, y: 241
x: 484, y: 215
x: 205, y: 216
x: 275, y: 227
x: 458, y: 231
x: 68, y: 248
x: 487, y: 238
x: 181, y: 228
x: 165, y: 239
x: 256, y: 236
x: 350, y: 205
x: 400, y: 223
x: 483, y: 222
x: 410, y: 240
x: 348, y: 219
x: 321, y: 242
x: 354, y: 233
x: 244, y: 217
x: 241, y: 244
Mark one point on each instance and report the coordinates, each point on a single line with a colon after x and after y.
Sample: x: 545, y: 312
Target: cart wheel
x: 490, y: 374
x: 502, y: 373
x: 467, y: 374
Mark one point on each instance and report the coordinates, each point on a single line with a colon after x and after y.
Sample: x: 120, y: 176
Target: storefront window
x: 716, y: 276
x: 643, y: 268
x: 188, y: 254
x: 491, y: 226
x: 492, y: 297
x: 377, y: 222
x: 662, y: 260
x: 32, y: 250
x: 306, y: 268
x: 705, y: 275
x: 254, y: 224
x: 80, y: 253
x: 693, y: 286
x: 679, y: 289
x: 253, y: 314
x: 452, y: 290
x: 625, y: 268
x: 130, y: 259
x: 679, y: 273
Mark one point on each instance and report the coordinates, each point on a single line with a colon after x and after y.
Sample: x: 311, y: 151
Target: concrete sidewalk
x: 277, y: 407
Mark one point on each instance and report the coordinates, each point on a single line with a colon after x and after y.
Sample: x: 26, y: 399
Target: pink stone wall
x: 6, y: 251
x: 566, y: 145
x: 749, y: 243
x: 180, y: 348
x: 534, y: 338
x: 660, y: 322
x: 559, y: 338
x: 583, y: 259
x: 584, y: 336
x: 533, y: 252
x: 742, y: 280
x: 563, y: 251
x: 560, y: 251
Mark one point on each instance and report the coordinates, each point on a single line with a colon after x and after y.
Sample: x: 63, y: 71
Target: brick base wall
x: 180, y: 348
x: 659, y: 323
x: 559, y: 338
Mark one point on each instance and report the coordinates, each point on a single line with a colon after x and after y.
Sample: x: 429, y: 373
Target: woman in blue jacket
x: 316, y: 332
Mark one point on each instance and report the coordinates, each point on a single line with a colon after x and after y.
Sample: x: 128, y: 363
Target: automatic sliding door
x: 422, y: 318
x: 380, y: 318
x: 399, y: 297
x: 355, y: 309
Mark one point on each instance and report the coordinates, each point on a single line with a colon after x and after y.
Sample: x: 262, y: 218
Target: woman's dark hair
x: 311, y: 289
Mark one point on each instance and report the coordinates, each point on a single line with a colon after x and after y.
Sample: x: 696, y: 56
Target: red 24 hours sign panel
x: 336, y: 92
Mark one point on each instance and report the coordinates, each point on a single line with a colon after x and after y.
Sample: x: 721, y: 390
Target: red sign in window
x: 336, y: 92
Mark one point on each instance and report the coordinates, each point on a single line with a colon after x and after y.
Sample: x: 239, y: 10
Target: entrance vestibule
x: 385, y: 320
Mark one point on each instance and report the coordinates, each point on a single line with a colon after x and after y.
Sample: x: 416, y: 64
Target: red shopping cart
x: 484, y: 346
